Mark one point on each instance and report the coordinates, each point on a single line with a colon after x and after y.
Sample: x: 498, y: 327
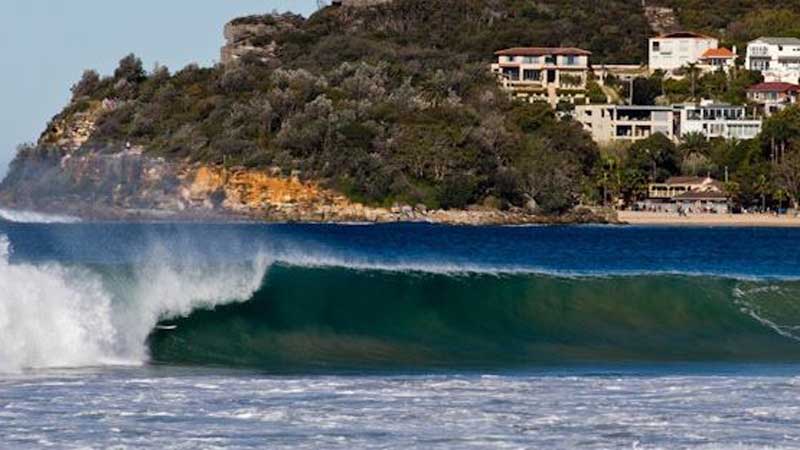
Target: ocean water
x: 397, y: 336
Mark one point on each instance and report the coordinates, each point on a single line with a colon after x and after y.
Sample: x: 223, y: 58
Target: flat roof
x: 542, y: 51
x: 779, y: 40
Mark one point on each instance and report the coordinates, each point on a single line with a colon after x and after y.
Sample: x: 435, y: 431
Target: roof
x: 702, y: 195
x: 779, y: 40
x: 684, y: 35
x: 542, y: 51
x: 773, y: 87
x: 718, y: 53
x: 685, y: 180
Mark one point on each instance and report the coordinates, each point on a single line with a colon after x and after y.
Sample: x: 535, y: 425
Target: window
x: 530, y: 60
x: 531, y: 75
x: 656, y: 46
x: 570, y: 60
x: 550, y: 59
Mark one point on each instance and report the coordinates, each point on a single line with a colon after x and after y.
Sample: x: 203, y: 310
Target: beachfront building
x: 717, y: 120
x: 773, y: 96
x: 673, y: 51
x: 627, y: 123
x: 716, y: 59
x: 550, y: 74
x: 688, y: 195
x: 777, y: 58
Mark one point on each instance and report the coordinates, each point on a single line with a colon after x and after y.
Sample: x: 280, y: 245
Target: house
x: 551, y: 74
x: 773, y: 96
x: 716, y: 59
x: 777, y: 58
x: 610, y: 123
x: 689, y: 195
x: 717, y: 120
x: 672, y: 51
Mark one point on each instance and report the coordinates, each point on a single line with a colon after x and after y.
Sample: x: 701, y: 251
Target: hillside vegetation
x: 395, y: 104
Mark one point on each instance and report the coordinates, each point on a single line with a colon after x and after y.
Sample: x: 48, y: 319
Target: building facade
x: 773, y: 96
x: 627, y: 123
x: 673, y: 51
x: 777, y: 58
x: 689, y: 195
x: 715, y: 120
x: 546, y: 74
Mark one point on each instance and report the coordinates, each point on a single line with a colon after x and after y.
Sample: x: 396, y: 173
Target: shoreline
x: 713, y: 220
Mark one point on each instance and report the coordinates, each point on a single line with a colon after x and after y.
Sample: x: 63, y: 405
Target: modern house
x: 672, y: 51
x: 777, y: 58
x: 717, y: 120
x: 548, y: 74
x: 689, y: 195
x: 716, y: 59
x: 773, y: 96
x: 610, y: 123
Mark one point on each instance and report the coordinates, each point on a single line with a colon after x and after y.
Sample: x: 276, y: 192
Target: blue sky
x: 46, y: 44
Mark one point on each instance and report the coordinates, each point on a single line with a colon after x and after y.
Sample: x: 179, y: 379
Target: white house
x: 672, y: 51
x: 718, y: 120
x: 609, y: 123
x: 551, y: 74
x: 715, y: 59
x: 777, y: 58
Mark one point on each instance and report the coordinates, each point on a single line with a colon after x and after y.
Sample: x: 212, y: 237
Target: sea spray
x: 51, y: 316
x: 60, y: 316
x: 18, y: 216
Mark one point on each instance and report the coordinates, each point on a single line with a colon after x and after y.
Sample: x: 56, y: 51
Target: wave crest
x: 53, y: 315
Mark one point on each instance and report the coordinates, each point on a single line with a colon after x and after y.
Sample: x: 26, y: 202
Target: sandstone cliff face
x: 127, y: 184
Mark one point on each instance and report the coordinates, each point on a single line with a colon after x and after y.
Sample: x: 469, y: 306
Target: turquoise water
x: 398, y: 336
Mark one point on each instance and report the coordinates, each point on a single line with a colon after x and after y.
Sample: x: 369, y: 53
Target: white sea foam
x: 56, y: 316
x: 11, y: 215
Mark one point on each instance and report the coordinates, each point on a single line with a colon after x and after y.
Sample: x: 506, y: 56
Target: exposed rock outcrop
x: 253, y: 36
x: 127, y: 184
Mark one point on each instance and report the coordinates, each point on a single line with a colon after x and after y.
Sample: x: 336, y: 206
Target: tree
x: 694, y: 150
x: 788, y: 176
x: 87, y: 84
x: 130, y: 69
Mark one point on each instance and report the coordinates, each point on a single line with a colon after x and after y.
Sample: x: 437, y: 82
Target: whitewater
x: 397, y: 336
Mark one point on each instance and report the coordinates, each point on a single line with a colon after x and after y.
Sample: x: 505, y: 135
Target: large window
x: 570, y: 60
x: 656, y: 46
x: 531, y: 75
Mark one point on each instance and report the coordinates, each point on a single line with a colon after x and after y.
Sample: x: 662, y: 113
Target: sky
x: 45, y: 45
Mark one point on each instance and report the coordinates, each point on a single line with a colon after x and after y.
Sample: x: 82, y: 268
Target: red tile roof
x: 542, y: 51
x: 774, y: 87
x: 718, y: 53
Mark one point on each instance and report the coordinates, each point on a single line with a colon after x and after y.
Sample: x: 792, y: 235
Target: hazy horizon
x: 48, y: 44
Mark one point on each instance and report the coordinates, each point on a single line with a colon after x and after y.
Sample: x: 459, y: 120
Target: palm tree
x: 694, y: 148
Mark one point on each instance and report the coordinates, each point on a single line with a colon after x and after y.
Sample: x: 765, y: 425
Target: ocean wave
x: 303, y: 307
x: 55, y: 316
x: 34, y: 217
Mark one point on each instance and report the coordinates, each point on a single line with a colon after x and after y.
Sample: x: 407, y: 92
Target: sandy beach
x: 726, y: 220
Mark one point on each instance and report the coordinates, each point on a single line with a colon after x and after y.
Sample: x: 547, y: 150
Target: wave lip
x: 21, y: 216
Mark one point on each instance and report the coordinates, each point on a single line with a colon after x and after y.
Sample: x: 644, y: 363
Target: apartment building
x: 717, y: 120
x: 627, y: 123
x: 551, y: 74
x: 777, y: 58
x: 673, y: 51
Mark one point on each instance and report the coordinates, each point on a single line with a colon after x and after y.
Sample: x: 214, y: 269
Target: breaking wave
x: 299, y: 311
x: 52, y: 315
x: 16, y: 216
